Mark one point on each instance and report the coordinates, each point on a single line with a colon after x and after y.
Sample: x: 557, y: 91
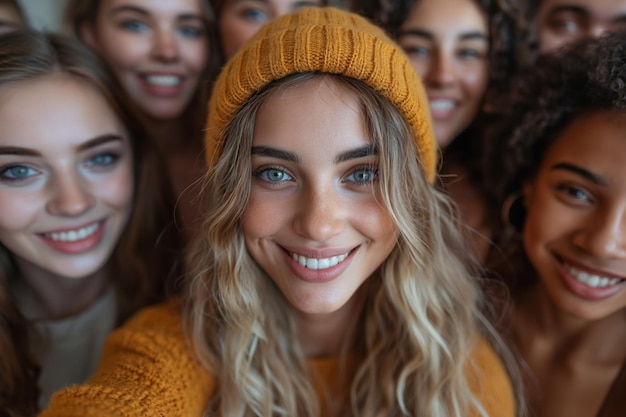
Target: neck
x: 539, y: 320
x: 167, y: 134
x: 48, y: 296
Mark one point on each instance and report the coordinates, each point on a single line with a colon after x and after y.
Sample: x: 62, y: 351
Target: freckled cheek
x: 264, y: 216
x: 374, y: 222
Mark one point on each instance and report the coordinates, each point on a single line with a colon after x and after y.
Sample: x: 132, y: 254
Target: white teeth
x: 441, y: 105
x: 164, y: 80
x: 74, y: 235
x: 315, y: 263
x: 591, y: 280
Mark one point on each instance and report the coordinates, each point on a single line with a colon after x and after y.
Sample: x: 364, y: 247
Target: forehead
x: 446, y: 16
x: 54, y: 111
x: 319, y: 113
x: 157, y: 6
x: 596, y: 142
x: 594, y: 8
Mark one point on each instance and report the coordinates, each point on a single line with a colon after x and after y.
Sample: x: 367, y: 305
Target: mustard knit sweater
x: 147, y: 370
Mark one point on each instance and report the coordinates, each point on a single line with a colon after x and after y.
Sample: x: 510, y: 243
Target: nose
x: 605, y: 237
x: 164, y: 46
x: 441, y: 71
x: 69, y: 197
x: 319, y: 216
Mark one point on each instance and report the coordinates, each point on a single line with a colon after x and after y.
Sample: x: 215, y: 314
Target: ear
x: 528, y: 192
x: 88, y: 35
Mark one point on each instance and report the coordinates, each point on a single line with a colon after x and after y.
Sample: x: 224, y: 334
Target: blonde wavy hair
x: 420, y: 320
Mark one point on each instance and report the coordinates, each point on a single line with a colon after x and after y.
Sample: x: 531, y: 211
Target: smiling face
x: 66, y: 177
x: 575, y: 230
x: 239, y: 20
x: 560, y: 22
x: 449, y: 51
x: 312, y: 221
x: 157, y: 49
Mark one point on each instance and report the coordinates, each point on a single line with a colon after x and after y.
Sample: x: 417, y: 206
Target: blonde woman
x: 329, y: 279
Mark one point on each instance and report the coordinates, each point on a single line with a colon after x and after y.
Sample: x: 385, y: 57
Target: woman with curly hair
x: 86, y: 217
x: 464, y: 59
x: 558, y: 171
x: 330, y: 278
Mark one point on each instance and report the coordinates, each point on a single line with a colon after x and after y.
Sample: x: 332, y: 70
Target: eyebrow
x: 293, y: 157
x: 361, y: 152
x: 265, y: 2
x: 585, y: 173
x: 97, y: 141
x: 146, y: 13
x: 568, y: 8
x: 420, y: 33
x: 275, y: 153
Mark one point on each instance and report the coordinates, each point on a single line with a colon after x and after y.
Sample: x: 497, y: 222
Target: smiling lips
x: 319, y: 263
x: 163, y: 85
x: 163, y: 80
x: 442, y: 108
x: 592, y: 280
x: 75, y: 241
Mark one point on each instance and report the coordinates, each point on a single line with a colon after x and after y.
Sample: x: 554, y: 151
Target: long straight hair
x: 144, y: 264
x: 421, y: 316
x: 80, y: 12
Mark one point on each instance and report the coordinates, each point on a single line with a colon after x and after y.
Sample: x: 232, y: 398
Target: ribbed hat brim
x: 326, y: 40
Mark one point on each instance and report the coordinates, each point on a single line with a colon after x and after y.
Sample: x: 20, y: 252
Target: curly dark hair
x: 585, y: 77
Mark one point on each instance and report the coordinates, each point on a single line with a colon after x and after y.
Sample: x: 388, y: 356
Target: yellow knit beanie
x: 326, y: 40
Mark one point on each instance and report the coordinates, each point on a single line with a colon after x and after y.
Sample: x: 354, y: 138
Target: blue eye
x: 363, y: 176
x: 273, y: 175
x: 190, y: 32
x: 416, y: 51
x: 470, y: 53
x: 102, y: 160
x: 254, y: 14
x: 17, y: 173
x: 134, y: 26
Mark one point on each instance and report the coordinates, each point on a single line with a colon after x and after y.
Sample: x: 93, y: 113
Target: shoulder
x: 147, y: 368
x: 490, y: 382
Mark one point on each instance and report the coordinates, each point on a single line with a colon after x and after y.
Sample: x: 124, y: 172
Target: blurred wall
x: 44, y: 15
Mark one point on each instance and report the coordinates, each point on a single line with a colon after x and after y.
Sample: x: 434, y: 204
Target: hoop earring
x: 513, y: 211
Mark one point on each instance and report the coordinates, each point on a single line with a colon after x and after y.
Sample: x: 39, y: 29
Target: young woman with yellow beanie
x: 330, y: 278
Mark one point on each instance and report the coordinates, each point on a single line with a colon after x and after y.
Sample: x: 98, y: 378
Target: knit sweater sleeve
x: 490, y: 382
x: 146, y: 369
